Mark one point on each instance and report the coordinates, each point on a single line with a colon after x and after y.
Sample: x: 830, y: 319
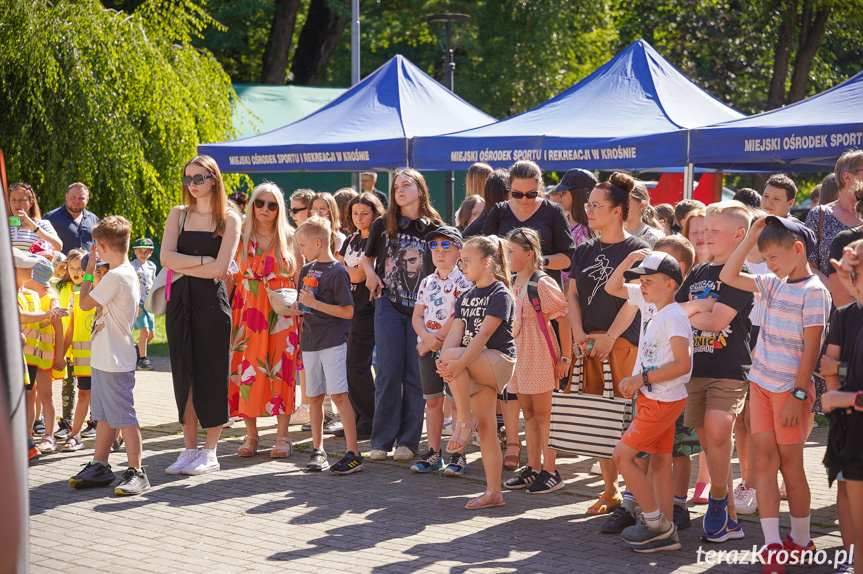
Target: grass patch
x: 158, y: 347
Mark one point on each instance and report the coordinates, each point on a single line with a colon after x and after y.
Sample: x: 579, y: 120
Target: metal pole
x: 449, y: 177
x: 688, y: 181
x: 355, y: 68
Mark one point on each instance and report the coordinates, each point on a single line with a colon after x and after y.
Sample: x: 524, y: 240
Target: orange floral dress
x: 534, y: 370
x: 264, y: 345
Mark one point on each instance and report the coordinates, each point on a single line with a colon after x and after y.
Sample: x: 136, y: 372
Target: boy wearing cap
x: 664, y: 366
x: 796, y: 305
x: 432, y: 320
x: 145, y: 323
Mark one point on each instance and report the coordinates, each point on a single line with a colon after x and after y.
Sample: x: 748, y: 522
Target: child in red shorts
x: 665, y: 363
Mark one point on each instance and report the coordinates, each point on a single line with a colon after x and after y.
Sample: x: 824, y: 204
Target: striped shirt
x: 789, y: 307
x: 23, y: 238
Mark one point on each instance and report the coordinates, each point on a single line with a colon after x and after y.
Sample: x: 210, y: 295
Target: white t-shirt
x: 437, y: 295
x: 654, y: 345
x: 117, y: 295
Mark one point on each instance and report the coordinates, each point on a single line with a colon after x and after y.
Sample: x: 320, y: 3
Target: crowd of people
x: 726, y: 325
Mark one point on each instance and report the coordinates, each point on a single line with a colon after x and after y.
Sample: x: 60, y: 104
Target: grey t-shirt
x: 321, y: 330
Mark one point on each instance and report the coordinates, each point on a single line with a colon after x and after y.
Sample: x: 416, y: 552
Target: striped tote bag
x: 589, y: 425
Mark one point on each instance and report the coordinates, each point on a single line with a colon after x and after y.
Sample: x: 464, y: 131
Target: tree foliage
x: 118, y: 101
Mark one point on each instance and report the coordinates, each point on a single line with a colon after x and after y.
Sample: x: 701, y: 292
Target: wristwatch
x: 645, y: 381
x: 858, y: 401
x: 842, y: 371
x: 799, y: 393
x: 545, y: 261
x: 565, y: 359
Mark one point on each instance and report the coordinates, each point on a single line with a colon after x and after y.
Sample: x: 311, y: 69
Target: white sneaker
x: 403, y: 453
x: 739, y: 491
x: 186, y: 458
x: 205, y: 462
x: 378, y: 455
x: 595, y: 469
x: 747, y: 503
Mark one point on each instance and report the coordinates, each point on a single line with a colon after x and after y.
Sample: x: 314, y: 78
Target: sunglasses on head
x: 443, y: 244
x: 197, y: 179
x: 271, y: 205
x: 296, y: 210
x: 530, y: 194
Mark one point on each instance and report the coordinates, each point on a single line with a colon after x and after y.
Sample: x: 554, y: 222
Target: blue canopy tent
x: 368, y: 127
x: 806, y: 136
x: 632, y: 113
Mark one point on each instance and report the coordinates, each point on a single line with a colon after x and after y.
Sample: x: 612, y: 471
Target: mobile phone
x: 14, y: 221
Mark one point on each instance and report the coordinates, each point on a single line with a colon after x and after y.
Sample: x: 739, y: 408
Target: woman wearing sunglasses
x: 395, y: 261
x: 301, y: 205
x: 266, y: 261
x: 199, y: 241
x: 528, y: 208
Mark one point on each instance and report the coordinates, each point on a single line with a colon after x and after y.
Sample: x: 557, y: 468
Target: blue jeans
x: 399, y: 404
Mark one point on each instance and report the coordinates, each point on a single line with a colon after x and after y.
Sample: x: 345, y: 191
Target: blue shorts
x: 145, y: 321
x: 111, y: 398
x: 326, y: 371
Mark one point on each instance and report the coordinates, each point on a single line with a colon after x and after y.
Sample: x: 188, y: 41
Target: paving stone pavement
x: 263, y: 515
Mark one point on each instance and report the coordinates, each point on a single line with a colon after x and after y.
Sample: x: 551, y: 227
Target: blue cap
x: 807, y: 235
x: 43, y: 271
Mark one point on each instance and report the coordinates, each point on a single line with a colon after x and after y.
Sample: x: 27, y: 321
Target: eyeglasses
x: 854, y: 171
x: 530, y: 194
x: 322, y: 211
x: 443, y: 244
x: 271, y: 205
x: 462, y: 263
x: 197, y: 179
x: 593, y: 206
x: 296, y: 210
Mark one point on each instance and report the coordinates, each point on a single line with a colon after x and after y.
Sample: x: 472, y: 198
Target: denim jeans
x: 399, y: 404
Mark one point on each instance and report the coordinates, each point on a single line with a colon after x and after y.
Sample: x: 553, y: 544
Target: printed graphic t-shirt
x: 322, y: 330
x: 146, y: 277
x: 726, y: 354
x: 592, y: 265
x: 402, y: 262
x: 495, y: 300
x: 352, y: 250
x: 118, y: 295
x: 437, y: 295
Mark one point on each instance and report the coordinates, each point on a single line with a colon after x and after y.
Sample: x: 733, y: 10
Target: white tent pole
x: 688, y: 181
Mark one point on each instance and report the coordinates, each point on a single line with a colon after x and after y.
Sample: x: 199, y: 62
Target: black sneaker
x: 90, y: 430
x: 94, y: 474
x: 681, y: 517
x: 63, y: 428
x: 134, y: 482
x: 318, y: 461
x: 619, y: 520
x: 545, y: 483
x: 144, y: 364
x: 349, y: 464
x: 428, y: 462
x: 525, y: 478
x: 457, y: 465
x: 38, y: 427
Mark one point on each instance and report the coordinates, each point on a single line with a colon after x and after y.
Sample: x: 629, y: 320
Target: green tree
x: 119, y: 101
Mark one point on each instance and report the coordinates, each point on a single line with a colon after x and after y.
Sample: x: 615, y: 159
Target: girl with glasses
x: 324, y: 205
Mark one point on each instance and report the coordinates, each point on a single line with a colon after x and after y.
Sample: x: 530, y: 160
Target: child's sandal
x: 511, y: 461
x: 73, y: 443
x: 249, y: 447
x: 282, y: 451
x: 48, y: 445
x: 606, y: 503
x: 485, y: 500
x: 456, y: 442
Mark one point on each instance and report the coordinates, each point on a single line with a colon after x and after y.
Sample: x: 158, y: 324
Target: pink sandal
x: 486, y: 500
x: 456, y: 442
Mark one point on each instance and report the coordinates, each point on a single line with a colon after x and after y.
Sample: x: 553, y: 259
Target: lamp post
x: 449, y: 76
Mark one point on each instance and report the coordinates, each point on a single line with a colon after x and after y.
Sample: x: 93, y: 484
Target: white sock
x: 800, y: 531
x: 770, y: 528
x: 652, y: 519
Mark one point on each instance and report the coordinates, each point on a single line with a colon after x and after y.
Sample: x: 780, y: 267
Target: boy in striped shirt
x: 797, y: 305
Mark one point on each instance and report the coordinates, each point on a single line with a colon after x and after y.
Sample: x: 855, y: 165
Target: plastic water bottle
x: 310, y: 282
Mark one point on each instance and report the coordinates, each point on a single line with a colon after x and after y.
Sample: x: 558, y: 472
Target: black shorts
x: 84, y: 383
x: 432, y: 383
x: 31, y: 372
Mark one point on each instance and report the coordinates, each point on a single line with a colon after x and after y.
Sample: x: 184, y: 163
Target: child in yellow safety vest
x: 65, y: 286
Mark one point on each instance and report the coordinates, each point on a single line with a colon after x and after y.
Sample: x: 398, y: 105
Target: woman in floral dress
x: 264, y: 344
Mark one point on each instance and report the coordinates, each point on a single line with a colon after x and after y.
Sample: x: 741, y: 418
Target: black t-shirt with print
x: 840, y: 242
x: 845, y: 323
x: 401, y: 263
x: 322, y: 330
x: 723, y: 355
x: 353, y: 249
x: 476, y: 303
x: 548, y: 220
x: 592, y: 265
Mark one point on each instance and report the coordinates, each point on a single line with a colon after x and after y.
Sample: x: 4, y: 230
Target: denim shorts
x: 111, y: 398
x: 326, y: 371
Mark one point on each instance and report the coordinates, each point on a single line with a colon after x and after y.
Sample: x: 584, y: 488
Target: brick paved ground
x: 262, y: 515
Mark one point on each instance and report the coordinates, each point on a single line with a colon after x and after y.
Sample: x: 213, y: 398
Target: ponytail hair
x: 492, y: 247
x: 617, y: 190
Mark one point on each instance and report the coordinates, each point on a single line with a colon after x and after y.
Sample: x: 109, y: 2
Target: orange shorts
x: 765, y: 410
x: 652, y: 430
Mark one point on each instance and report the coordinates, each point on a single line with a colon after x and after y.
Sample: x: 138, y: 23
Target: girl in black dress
x: 199, y: 242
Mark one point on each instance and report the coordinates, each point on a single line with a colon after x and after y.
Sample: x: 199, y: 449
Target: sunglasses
x: 530, y: 194
x: 271, y: 205
x: 443, y: 244
x: 196, y: 179
x: 520, y: 231
x: 296, y: 210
